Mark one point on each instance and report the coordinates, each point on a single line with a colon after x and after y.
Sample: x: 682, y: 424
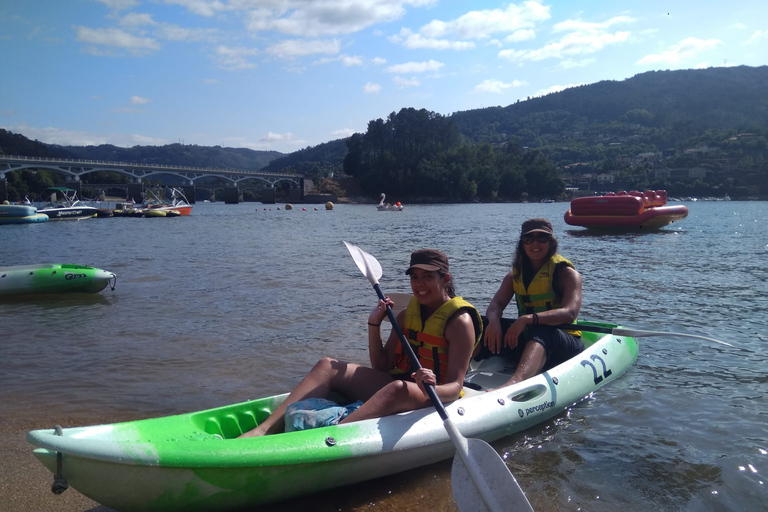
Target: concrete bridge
x: 74, y: 169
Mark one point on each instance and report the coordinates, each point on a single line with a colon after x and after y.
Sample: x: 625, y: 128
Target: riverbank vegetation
x: 691, y: 132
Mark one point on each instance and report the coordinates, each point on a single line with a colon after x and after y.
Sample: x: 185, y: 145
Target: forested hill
x: 171, y: 154
x: 179, y: 154
x: 663, y: 108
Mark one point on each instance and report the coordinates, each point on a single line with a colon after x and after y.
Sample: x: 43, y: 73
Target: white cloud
x: 235, y: 58
x: 343, y: 133
x: 272, y: 140
x: 496, y: 86
x: 379, y: 61
x: 417, y: 41
x: 114, y: 37
x: 324, y: 17
x: 580, y: 38
x: 576, y: 63
x: 173, y: 32
x: 685, y: 50
x: 274, y: 137
x: 371, y: 88
x: 134, y: 19
x: 756, y: 37
x: 404, y: 83
x: 520, y: 35
x: 299, y: 47
x: 554, y: 88
x: 139, y: 100
x: 346, y: 60
x: 486, y: 23
x: 51, y: 135
x: 415, y: 67
x: 119, y: 5
x: 206, y: 8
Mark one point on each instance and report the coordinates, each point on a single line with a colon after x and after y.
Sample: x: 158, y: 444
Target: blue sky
x: 285, y: 74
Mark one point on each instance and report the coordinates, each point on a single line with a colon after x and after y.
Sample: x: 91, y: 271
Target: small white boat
x: 386, y: 207
x: 63, y: 205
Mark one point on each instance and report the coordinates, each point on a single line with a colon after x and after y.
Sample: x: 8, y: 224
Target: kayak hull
x: 194, y: 461
x: 53, y: 278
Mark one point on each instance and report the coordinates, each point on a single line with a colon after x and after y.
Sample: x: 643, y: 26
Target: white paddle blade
x: 367, y: 264
x: 639, y: 334
x: 485, y: 483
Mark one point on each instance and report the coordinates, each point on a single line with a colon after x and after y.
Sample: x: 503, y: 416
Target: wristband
x: 374, y: 325
x: 535, y: 319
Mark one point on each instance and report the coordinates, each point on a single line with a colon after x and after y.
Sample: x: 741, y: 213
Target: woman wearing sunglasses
x: 547, y: 289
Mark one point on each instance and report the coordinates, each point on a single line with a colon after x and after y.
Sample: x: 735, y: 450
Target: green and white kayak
x: 193, y: 462
x: 53, y: 278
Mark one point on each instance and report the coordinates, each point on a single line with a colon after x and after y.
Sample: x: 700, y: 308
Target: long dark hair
x: 449, y: 285
x: 522, y: 259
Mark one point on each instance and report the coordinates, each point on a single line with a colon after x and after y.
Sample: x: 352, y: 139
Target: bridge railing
x: 140, y: 165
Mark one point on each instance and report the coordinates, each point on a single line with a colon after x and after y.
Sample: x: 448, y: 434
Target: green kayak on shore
x: 195, y: 462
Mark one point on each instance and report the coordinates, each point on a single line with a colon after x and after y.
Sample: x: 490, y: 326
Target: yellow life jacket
x: 428, y: 338
x: 540, y: 294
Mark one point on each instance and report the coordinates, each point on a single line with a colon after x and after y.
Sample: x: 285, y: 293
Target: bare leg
x: 396, y: 396
x: 315, y: 385
x: 531, y: 362
x: 354, y: 381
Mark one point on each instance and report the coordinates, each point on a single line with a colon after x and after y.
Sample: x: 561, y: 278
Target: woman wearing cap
x: 547, y: 289
x: 443, y: 330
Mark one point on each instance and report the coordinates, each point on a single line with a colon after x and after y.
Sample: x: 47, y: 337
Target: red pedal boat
x: 625, y: 210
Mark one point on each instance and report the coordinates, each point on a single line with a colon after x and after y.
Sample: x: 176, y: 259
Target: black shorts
x: 560, y: 345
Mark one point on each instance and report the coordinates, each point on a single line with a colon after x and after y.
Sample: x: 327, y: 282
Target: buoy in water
x: 329, y: 205
x: 289, y: 206
x: 303, y: 209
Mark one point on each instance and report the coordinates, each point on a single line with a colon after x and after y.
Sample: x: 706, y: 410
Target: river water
x: 239, y: 301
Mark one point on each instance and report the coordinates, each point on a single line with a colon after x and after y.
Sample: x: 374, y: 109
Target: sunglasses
x: 541, y: 238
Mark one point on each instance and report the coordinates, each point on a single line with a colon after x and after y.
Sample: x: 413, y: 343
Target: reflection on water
x: 231, y: 303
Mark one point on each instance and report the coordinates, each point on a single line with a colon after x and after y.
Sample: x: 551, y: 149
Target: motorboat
x: 62, y: 204
x: 177, y: 202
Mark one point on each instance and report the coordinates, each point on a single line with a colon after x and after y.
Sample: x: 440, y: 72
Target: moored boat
x: 20, y: 214
x: 177, y: 202
x: 196, y: 461
x: 62, y: 204
x: 53, y: 278
x: 625, y: 210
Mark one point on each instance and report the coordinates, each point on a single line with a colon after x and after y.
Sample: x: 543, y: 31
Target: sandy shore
x: 25, y: 484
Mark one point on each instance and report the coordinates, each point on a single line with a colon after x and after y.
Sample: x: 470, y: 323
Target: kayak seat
x: 230, y: 422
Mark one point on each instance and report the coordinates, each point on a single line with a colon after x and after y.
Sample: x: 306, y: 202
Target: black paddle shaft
x: 412, y: 355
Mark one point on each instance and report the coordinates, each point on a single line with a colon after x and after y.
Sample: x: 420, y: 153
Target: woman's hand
x: 379, y: 313
x: 424, y: 376
x: 492, y: 336
x: 514, y: 332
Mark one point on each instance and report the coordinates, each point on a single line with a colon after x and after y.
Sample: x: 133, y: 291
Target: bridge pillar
x: 135, y: 192
x: 3, y: 190
x: 268, y: 195
x: 189, y: 193
x: 231, y: 195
